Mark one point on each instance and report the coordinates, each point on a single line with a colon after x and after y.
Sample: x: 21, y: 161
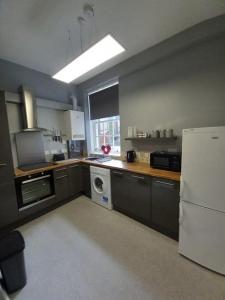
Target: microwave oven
x: 170, y: 161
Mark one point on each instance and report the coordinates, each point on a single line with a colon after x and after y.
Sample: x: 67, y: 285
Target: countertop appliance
x: 202, y: 197
x: 34, y: 189
x: 131, y: 155
x: 164, y: 160
x: 101, y: 186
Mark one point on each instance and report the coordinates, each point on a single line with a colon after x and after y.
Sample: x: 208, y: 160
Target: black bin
x: 12, y: 264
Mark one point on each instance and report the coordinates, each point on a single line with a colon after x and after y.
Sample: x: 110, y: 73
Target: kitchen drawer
x: 37, y: 208
x: 58, y: 173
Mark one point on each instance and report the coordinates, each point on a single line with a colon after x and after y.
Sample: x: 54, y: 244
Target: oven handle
x: 35, y: 179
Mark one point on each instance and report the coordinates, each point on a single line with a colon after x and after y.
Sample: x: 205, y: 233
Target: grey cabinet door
x: 86, y: 180
x: 131, y: 194
x: 139, y: 198
x: 119, y: 190
x: 6, y: 163
x: 165, y: 206
x: 8, y: 203
x: 61, y: 182
x: 75, y: 179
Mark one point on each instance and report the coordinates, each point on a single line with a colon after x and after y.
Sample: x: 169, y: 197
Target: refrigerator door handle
x: 181, y: 187
x: 181, y: 214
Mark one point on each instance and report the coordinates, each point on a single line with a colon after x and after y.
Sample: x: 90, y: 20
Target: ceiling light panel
x: 99, y: 53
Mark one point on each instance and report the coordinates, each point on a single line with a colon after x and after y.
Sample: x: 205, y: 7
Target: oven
x: 34, y: 189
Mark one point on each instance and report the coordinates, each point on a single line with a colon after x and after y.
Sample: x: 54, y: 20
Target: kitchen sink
x: 100, y: 159
x: 92, y: 158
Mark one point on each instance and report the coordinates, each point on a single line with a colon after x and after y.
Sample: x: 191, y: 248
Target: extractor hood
x: 29, y: 109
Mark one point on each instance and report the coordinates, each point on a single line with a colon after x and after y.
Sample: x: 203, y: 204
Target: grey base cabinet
x: 139, y: 200
x: 165, y: 206
x: 67, y: 182
x: 61, y: 183
x: 131, y: 194
x: 119, y: 190
x: 150, y: 200
x: 86, y: 180
x: 75, y: 180
x: 8, y: 204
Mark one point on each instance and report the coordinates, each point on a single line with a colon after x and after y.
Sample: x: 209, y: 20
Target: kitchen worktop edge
x: 136, y: 167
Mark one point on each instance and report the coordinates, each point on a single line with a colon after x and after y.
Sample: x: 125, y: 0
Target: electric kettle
x: 131, y: 156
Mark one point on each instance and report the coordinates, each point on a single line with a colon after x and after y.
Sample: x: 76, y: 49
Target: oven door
x: 34, y: 190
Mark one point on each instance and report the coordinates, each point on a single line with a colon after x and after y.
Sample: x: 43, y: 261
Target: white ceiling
x: 33, y: 33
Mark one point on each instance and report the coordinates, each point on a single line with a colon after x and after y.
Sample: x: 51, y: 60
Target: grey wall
x: 183, y: 91
x: 179, y: 42
x: 178, y: 83
x: 13, y: 75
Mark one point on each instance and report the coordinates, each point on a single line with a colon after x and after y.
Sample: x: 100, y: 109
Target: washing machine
x: 101, y: 186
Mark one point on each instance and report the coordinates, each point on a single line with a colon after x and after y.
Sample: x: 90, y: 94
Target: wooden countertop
x: 140, y: 168
x: 19, y: 173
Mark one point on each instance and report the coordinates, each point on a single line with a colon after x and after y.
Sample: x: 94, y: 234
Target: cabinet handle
x: 165, y: 183
x: 138, y: 177
x: 117, y: 173
x: 61, y: 177
x: 58, y: 170
x: 71, y: 167
x: 3, y: 165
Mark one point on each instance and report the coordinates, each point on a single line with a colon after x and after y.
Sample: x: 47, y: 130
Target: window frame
x: 93, y: 136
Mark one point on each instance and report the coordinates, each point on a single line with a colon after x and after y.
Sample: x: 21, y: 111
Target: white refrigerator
x: 202, y: 197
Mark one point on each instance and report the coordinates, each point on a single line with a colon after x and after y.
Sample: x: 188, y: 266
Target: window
x: 105, y: 119
x: 105, y: 131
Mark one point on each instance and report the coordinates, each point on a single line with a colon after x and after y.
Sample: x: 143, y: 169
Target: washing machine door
x: 99, y: 184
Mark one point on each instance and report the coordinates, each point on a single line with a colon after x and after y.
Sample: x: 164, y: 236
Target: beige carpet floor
x: 82, y: 251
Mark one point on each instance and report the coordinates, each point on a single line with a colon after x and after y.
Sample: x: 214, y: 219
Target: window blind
x: 104, y: 103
